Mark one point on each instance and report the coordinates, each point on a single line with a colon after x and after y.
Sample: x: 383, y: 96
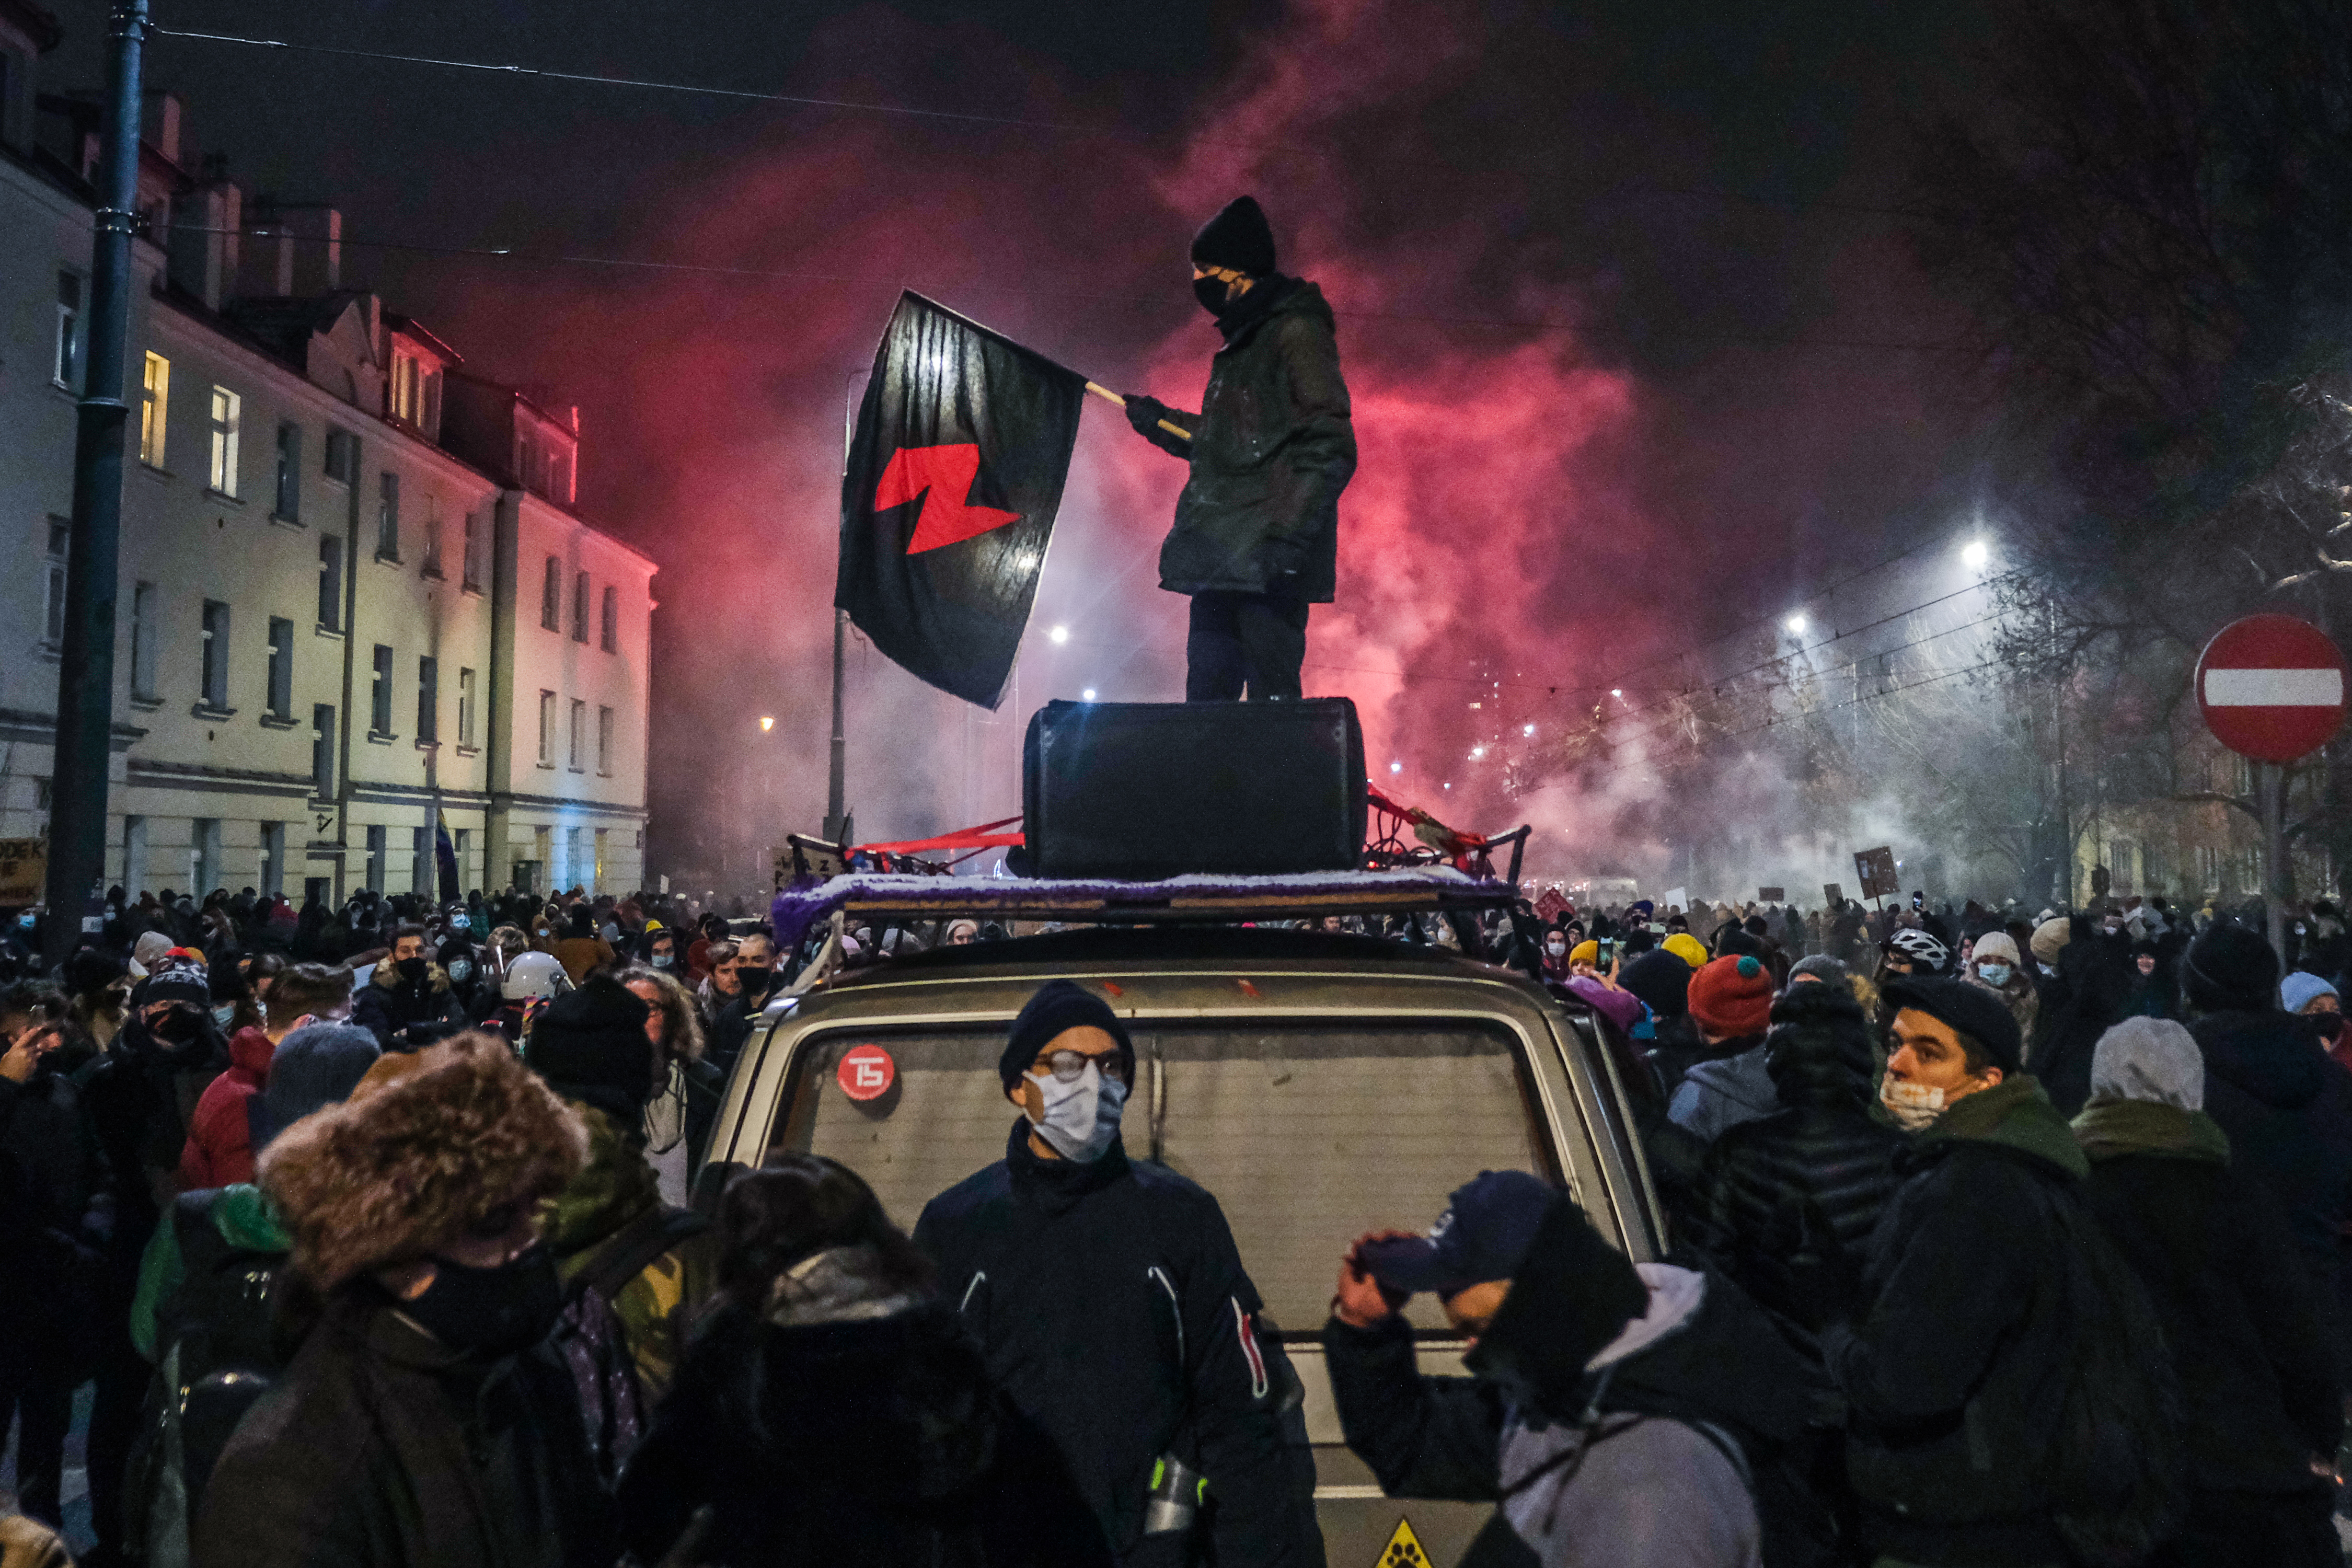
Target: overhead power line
x: 856, y: 106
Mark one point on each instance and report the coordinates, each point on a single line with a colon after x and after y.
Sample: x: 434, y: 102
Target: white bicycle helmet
x: 1920, y: 948
x: 534, y: 974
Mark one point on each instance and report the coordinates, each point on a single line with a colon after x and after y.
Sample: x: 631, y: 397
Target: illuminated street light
x: 1614, y: 691
x: 767, y: 723
x: 1396, y: 767
x: 1060, y: 633
x: 1476, y: 752
x: 1796, y: 625
x: 1974, y: 554
x: 1088, y: 695
x: 1529, y: 730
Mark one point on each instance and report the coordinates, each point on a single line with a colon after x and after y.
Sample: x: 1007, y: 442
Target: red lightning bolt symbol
x: 942, y: 476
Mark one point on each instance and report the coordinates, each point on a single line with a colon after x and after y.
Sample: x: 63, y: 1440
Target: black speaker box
x: 1141, y: 790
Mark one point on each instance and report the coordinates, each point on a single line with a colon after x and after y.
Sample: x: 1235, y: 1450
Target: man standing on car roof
x: 1256, y: 538
x: 1115, y: 1316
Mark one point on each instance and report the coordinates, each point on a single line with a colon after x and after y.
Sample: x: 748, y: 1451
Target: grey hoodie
x: 1717, y: 1095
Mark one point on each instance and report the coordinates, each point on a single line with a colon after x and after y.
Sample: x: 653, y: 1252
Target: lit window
x: 155, y: 410
x: 227, y: 413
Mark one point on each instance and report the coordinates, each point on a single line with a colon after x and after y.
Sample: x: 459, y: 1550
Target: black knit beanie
x: 2231, y: 969
x: 1570, y: 1295
x: 1238, y: 237
x: 1058, y: 1005
x: 590, y: 1045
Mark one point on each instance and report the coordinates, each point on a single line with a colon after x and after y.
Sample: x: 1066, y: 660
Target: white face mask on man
x: 1914, y: 1106
x: 1081, y: 1113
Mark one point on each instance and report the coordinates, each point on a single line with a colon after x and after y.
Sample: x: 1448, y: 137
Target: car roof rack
x: 1195, y: 897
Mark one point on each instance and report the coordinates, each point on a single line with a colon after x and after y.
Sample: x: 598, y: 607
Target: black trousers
x: 1236, y: 640
x: 39, y: 1395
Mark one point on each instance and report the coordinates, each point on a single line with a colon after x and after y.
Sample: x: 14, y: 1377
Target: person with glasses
x: 1115, y: 1316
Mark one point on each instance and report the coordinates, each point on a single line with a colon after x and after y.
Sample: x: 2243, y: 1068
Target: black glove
x: 1145, y: 414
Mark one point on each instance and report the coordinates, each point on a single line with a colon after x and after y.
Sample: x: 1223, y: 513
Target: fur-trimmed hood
x: 407, y: 1168
x: 387, y: 974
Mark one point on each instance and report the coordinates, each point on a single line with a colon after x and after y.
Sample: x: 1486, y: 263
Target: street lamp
x: 1088, y: 695
x: 1529, y: 729
x: 1974, y: 554
x: 767, y: 723
x: 1796, y: 624
x: 1059, y: 633
x: 1396, y: 767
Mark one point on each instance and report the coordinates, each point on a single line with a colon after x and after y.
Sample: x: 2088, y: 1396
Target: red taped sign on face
x: 866, y: 1072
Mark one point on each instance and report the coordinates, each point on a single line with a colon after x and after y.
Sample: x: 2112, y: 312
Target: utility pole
x: 837, y: 808
x: 77, y: 773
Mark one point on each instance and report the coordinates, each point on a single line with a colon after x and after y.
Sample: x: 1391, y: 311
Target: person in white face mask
x: 1114, y: 1312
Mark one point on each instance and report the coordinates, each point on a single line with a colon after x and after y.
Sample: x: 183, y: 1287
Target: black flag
x: 963, y: 443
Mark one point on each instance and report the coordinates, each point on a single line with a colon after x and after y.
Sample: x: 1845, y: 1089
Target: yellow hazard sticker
x: 1403, y: 1550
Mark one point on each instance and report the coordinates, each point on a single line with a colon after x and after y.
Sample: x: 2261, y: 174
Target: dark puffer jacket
x: 2287, y: 1107
x: 1825, y: 1150
x: 405, y: 1014
x: 1272, y: 448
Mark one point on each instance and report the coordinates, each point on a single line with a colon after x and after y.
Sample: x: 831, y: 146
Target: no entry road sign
x: 2272, y: 687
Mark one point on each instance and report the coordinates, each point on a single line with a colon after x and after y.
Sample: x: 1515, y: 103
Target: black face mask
x: 177, y: 1027
x: 412, y: 970
x: 1210, y: 292
x: 491, y: 1312
x: 753, y: 981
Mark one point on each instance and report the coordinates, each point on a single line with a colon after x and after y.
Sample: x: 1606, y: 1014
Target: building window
x: 289, y: 504
x: 601, y: 838
x: 612, y: 620
x: 58, y: 535
x: 281, y: 668
x: 380, y: 694
x: 572, y: 856
x: 465, y: 710
x: 146, y: 638
x: 273, y: 858
x: 407, y: 388
x: 579, y: 727
x: 135, y: 854
x: 375, y: 858
x: 604, y: 742
x: 330, y: 582
x: 205, y: 857
x: 64, y: 368
x: 473, y: 564
x: 342, y: 456
x: 550, y: 596
x: 154, y: 410
x: 432, y: 567
x: 215, y: 663
x: 463, y: 844
x: 229, y: 413
x: 323, y: 750
x: 547, y: 729
x: 420, y: 860
x: 387, y: 517
x: 428, y: 701
x: 580, y: 608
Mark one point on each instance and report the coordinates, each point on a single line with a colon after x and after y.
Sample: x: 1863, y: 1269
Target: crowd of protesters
x: 1990, y: 1241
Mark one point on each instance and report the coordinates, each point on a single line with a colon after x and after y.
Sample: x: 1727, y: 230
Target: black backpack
x: 594, y: 1348
x: 2118, y: 1475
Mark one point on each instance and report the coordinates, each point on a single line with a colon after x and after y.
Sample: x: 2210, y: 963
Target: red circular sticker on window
x: 866, y: 1072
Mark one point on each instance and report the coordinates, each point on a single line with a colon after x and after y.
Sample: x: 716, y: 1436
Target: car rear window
x: 1308, y: 1133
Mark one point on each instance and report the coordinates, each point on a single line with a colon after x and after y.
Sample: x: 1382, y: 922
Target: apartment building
x: 357, y: 600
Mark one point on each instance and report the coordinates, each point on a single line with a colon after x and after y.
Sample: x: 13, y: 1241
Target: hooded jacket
x: 382, y: 1448
x: 1718, y: 1095
x: 1272, y: 448
x: 1947, y: 1375
x: 613, y: 1197
x: 219, y: 1150
x: 1113, y: 1310
x: 864, y: 1433
x: 2239, y: 1316
x: 2287, y: 1109
x: 389, y: 1004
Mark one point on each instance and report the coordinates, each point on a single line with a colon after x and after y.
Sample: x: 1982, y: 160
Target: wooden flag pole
x: 1106, y: 393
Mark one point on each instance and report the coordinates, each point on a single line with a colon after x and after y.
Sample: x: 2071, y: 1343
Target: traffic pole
x: 837, y: 807
x: 2271, y: 779
x: 79, y: 771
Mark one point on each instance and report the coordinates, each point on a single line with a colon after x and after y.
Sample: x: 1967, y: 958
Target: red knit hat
x: 1732, y: 998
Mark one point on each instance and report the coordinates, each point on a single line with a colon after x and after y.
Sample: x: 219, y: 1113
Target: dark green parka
x: 1272, y: 448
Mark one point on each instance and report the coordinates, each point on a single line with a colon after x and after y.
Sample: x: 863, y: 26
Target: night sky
x: 1637, y: 349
